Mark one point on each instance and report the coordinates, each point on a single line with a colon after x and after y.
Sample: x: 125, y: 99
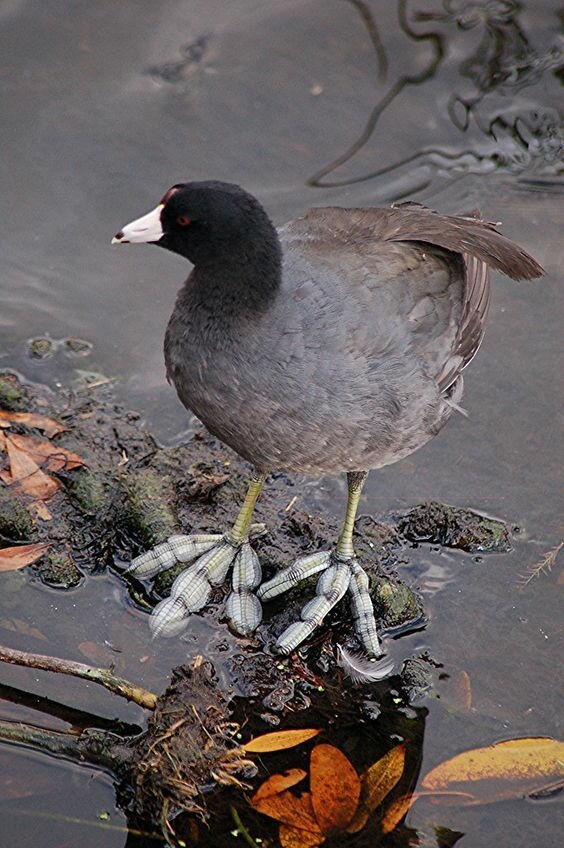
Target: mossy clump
x: 58, y: 570
x: 454, y: 528
x: 12, y: 396
x: 15, y: 521
x: 88, y: 490
x: 148, y: 514
x: 395, y: 604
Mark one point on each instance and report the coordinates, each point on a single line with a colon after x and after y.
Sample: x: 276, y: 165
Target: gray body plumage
x: 356, y: 360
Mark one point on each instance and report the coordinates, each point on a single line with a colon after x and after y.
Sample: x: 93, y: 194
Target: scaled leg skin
x: 340, y: 572
x: 211, y: 557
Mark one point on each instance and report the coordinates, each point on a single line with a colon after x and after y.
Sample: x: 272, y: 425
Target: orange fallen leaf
x: 27, y: 477
x: 17, y: 557
x: 294, y: 837
x: 396, y: 811
x: 31, y: 419
x: 277, y: 783
x: 508, y: 769
x: 43, y: 452
x: 335, y: 788
x: 291, y: 809
x: 279, y: 740
x: 377, y: 782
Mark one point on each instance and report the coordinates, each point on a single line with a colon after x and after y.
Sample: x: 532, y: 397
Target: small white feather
x: 362, y: 668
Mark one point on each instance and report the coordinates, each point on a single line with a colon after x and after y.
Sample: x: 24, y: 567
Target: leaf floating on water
x: 362, y: 668
x: 31, y: 419
x: 21, y: 555
x: 17, y: 625
x: 290, y: 809
x: 377, y: 782
x: 294, y: 837
x: 277, y: 783
x: 508, y: 769
x: 279, y: 740
x: 335, y: 788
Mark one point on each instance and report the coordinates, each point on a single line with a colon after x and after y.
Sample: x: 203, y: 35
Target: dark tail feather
x: 469, y: 234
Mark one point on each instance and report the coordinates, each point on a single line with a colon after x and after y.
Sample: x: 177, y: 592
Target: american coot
x: 335, y: 344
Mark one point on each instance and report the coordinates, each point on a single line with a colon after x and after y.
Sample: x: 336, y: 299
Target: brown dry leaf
x: 279, y: 740
x: 277, y: 783
x: 27, y: 477
x: 508, y: 769
x: 335, y: 788
x: 2, y: 441
x: 17, y: 557
x: 376, y: 782
x: 43, y: 452
x: 41, y: 510
x: 31, y: 419
x: 295, y: 837
x: 288, y: 808
x: 396, y: 811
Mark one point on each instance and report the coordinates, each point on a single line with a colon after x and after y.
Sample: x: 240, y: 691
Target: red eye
x: 183, y: 221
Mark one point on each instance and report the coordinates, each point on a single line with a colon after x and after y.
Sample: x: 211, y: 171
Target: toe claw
x: 169, y: 618
x: 363, y: 610
x: 177, y: 548
x: 287, y: 578
x: 244, y: 611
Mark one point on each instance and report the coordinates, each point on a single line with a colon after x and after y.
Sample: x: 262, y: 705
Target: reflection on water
x: 511, y: 136
x: 105, y: 105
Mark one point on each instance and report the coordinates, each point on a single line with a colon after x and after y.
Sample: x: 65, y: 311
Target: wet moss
x: 15, y: 520
x: 395, y: 604
x: 148, y: 513
x: 88, y: 490
x: 58, y: 570
x: 455, y: 528
x: 12, y: 396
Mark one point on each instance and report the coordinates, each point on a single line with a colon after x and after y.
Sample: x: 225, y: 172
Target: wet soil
x: 129, y: 495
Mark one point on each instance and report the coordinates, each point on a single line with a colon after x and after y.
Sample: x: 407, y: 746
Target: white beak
x: 145, y: 229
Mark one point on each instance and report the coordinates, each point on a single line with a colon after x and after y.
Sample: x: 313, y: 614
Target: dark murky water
x: 304, y: 103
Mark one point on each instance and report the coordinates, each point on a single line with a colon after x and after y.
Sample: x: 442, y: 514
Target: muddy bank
x: 117, y: 493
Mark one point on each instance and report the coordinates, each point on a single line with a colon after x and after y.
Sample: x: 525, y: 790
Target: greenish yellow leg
x: 240, y: 529
x: 355, y: 481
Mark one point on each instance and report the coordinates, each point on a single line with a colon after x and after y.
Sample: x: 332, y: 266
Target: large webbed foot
x: 211, y: 557
x: 340, y: 574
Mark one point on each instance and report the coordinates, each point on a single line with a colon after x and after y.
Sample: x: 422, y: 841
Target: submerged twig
x: 102, y: 676
x: 242, y: 830
x: 96, y: 747
x: 543, y: 566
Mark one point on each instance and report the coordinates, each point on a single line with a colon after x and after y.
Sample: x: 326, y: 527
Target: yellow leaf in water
x: 279, y: 740
x: 20, y: 556
x: 508, y: 769
x: 335, y: 788
x: 295, y: 837
x: 377, y: 781
x: 395, y: 812
x: 291, y: 809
